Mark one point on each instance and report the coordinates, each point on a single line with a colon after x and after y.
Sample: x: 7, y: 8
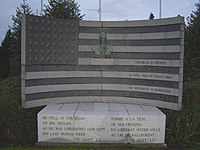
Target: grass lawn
x: 186, y: 148
x: 36, y: 148
x: 39, y: 148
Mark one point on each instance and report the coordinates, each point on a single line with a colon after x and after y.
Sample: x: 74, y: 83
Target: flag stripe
x: 140, y: 88
x: 138, y: 62
x: 93, y: 80
x: 155, y: 42
x: 139, y: 55
x: 140, y: 23
x: 141, y: 75
x: 147, y: 69
x: 102, y: 93
x: 62, y: 87
x: 61, y: 74
x: 100, y: 99
x: 134, y: 49
x: 103, y: 74
x: 111, y: 87
x: 127, y: 30
x: 138, y: 36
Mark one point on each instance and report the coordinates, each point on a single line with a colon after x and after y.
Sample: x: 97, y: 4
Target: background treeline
x: 18, y: 126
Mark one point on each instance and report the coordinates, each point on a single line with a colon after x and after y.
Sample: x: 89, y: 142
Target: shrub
x: 183, y: 127
x: 17, y: 126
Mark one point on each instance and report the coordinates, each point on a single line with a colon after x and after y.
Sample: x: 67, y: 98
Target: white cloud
x: 118, y: 10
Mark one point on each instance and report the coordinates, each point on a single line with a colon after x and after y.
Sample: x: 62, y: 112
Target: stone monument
x: 102, y: 80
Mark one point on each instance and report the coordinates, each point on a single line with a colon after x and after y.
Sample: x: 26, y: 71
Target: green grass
x: 194, y: 148
x: 36, y: 148
x: 42, y: 148
x: 186, y: 148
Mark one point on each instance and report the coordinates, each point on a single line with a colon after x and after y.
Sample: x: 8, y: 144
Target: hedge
x: 17, y: 125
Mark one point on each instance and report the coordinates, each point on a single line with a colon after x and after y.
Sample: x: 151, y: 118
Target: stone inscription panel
x: 102, y: 127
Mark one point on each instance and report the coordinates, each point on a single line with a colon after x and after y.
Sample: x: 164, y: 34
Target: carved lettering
x: 70, y: 127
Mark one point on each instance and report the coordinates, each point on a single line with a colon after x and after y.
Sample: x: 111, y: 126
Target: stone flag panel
x: 59, y: 65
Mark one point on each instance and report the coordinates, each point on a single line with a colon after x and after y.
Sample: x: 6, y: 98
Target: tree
x: 66, y: 9
x: 15, y: 47
x: 151, y: 16
x: 192, y: 46
x: 5, y: 55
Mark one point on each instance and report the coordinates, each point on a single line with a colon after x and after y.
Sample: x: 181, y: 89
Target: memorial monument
x: 102, y: 80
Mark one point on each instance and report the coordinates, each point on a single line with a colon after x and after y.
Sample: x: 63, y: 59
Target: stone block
x: 101, y: 123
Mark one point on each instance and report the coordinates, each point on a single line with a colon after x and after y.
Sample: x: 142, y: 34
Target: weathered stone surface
x: 101, y: 123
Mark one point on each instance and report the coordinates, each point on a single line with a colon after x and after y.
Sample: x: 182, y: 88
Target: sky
x: 111, y: 10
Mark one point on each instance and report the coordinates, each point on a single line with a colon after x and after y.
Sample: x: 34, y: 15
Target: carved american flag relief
x: 145, y: 67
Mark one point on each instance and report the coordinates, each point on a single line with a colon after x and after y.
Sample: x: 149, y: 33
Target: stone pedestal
x: 101, y: 123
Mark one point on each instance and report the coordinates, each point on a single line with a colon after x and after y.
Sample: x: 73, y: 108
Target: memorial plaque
x: 101, y: 123
x: 135, y: 62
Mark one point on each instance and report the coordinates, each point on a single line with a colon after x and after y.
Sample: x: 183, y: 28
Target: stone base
x: 101, y: 123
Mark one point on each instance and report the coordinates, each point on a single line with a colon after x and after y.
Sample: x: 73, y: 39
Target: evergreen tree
x: 5, y: 54
x: 15, y: 48
x: 192, y: 46
x: 66, y: 9
x: 151, y: 16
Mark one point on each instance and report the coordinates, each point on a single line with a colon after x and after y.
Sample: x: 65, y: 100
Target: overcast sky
x: 111, y: 9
